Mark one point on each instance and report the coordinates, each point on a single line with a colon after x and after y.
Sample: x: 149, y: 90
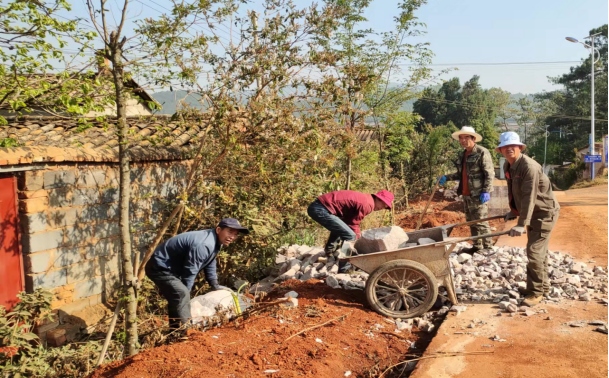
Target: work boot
x: 532, y: 300
x: 333, y: 249
x: 525, y: 292
x: 470, y: 250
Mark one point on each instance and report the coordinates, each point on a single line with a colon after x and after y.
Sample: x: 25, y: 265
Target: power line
x: 494, y: 64
x: 154, y: 2
x: 80, y: 19
x: 169, y: 10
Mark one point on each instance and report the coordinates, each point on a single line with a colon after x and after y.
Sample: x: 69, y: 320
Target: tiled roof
x: 366, y: 135
x: 53, y: 139
x: 65, y: 132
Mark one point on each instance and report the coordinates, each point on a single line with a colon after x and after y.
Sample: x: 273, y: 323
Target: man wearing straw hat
x: 475, y: 172
x: 533, y: 203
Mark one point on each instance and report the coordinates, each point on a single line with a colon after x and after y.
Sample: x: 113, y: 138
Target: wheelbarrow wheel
x: 401, y: 289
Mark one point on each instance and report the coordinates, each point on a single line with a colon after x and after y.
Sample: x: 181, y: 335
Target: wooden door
x: 11, y: 262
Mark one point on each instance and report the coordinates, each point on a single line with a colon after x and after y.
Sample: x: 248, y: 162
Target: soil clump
x: 442, y: 211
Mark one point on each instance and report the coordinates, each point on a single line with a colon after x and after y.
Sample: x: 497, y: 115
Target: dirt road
x: 582, y: 225
x: 535, y: 346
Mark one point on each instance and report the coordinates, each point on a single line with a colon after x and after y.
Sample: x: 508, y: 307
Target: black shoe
x: 345, y: 267
x: 470, y: 250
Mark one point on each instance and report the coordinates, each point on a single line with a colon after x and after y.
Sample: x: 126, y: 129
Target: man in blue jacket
x: 175, y: 264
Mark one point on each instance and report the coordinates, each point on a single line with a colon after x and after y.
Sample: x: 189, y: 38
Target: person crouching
x: 176, y: 263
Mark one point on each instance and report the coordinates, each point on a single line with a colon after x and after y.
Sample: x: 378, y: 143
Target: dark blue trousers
x: 339, y: 231
x: 176, y: 293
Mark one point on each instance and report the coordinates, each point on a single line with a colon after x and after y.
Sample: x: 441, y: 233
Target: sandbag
x: 207, y: 305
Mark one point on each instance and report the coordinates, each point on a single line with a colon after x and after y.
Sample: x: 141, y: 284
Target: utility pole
x: 592, y: 149
x: 545, y: 150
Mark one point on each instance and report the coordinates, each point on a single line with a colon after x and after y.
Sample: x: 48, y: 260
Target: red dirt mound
x: 442, y: 211
x: 250, y: 347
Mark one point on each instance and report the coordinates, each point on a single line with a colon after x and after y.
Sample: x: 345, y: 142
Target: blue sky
x: 504, y: 31
x: 480, y: 31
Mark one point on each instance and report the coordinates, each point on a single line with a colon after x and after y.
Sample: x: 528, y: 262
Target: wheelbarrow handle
x: 474, y: 221
x: 459, y: 240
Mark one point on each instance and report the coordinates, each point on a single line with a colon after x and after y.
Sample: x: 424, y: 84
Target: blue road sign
x: 593, y: 159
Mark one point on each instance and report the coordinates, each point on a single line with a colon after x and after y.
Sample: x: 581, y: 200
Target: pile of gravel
x: 303, y: 263
x: 491, y: 275
x: 497, y: 274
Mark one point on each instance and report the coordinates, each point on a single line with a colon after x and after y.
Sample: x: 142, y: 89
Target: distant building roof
x: 366, y: 135
x: 598, y: 146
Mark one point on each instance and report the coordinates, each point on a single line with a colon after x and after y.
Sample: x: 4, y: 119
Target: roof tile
x: 151, y: 138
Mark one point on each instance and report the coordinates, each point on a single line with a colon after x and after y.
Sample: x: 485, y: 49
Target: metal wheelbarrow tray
x: 403, y: 283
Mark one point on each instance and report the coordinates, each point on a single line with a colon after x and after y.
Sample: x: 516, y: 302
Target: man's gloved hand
x: 485, y: 197
x: 517, y: 231
x: 442, y: 180
x: 509, y: 216
x: 351, y: 251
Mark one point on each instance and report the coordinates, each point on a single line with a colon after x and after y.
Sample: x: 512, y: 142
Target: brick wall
x: 70, y: 230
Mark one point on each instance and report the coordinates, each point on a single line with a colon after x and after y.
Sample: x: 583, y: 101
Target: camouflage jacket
x: 479, y: 170
x: 530, y: 192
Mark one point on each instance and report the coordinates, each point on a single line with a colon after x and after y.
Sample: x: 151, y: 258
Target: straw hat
x: 467, y: 130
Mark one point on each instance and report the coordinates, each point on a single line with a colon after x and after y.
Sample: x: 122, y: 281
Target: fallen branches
x: 262, y: 306
x: 393, y: 334
x: 340, y: 318
x: 437, y: 355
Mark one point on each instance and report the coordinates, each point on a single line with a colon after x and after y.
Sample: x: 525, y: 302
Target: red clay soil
x: 258, y: 344
x: 442, y: 211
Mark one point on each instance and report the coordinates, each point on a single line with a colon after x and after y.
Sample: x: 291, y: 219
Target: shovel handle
x: 435, y: 187
x: 459, y: 240
x: 474, y: 221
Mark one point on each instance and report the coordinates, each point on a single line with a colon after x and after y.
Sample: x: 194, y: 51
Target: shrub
x: 564, y: 179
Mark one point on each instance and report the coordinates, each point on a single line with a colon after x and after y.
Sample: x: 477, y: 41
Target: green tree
x: 366, y: 63
x: 577, y: 85
x: 567, y: 111
x: 400, y: 136
x: 470, y: 105
x: 35, y: 70
x: 160, y: 56
x: 503, y: 104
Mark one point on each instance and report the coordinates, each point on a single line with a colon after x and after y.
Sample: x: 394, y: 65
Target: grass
x: 589, y: 183
x: 304, y: 236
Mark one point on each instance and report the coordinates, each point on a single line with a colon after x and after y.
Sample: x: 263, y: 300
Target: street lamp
x: 592, y: 61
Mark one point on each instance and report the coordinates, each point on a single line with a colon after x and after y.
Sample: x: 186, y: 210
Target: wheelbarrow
x: 404, y: 283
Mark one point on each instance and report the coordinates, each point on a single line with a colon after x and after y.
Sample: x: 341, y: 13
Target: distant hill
x: 168, y: 100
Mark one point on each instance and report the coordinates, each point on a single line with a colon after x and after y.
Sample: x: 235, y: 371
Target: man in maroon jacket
x: 342, y: 211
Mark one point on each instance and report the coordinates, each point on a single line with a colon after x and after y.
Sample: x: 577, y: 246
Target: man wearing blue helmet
x: 533, y: 203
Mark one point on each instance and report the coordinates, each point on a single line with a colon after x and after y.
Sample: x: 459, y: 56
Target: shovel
x: 427, y: 206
